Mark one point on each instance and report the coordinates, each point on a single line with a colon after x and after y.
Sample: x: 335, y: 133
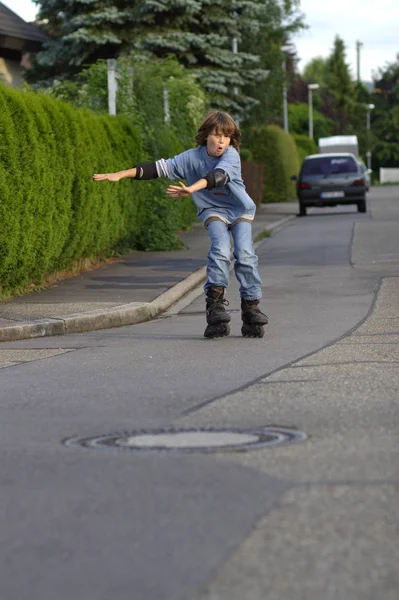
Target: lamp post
x: 112, y: 85
x: 311, y: 87
x: 234, y: 47
x: 369, y: 107
x: 284, y: 49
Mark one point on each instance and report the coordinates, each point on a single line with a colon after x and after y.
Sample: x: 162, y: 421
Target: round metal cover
x: 204, y: 439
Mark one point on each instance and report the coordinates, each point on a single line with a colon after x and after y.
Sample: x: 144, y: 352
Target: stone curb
x: 112, y: 317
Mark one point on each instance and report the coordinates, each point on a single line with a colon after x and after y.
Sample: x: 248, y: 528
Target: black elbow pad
x: 146, y: 170
x: 216, y: 178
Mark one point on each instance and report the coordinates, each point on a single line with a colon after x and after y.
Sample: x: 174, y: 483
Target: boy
x: 213, y: 174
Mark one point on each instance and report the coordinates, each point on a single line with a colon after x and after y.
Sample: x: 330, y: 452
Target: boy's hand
x: 178, y: 191
x: 106, y: 177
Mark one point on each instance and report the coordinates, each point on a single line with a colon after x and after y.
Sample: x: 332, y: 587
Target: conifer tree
x: 199, y: 33
x: 278, y: 22
x: 82, y: 31
x: 385, y: 117
x: 340, y: 86
x: 316, y: 71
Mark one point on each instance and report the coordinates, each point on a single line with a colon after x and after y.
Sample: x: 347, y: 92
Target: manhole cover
x: 192, y: 440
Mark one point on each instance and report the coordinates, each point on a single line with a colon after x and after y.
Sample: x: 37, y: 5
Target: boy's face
x: 216, y: 143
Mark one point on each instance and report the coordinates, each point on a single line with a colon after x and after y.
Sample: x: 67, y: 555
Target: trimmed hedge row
x: 51, y: 211
x: 277, y: 151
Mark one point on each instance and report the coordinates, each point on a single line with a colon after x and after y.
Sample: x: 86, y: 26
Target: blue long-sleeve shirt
x: 229, y: 202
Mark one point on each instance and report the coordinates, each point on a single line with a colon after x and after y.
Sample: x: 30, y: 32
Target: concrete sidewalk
x: 136, y: 288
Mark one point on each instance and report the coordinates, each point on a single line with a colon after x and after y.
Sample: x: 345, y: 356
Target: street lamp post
x: 369, y: 107
x: 112, y: 85
x: 234, y: 47
x: 284, y: 49
x: 311, y: 87
x: 285, y: 103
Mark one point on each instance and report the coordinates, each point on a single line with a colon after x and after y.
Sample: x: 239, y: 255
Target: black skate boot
x: 216, y: 315
x: 252, y: 319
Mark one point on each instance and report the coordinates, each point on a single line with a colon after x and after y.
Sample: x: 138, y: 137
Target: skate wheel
x: 216, y: 331
x: 253, y: 331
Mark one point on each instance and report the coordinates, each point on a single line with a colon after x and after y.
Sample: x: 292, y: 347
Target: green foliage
x: 298, y: 119
x: 317, y: 71
x: 87, y: 89
x: 278, y: 21
x: 187, y: 105
x: 200, y: 33
x: 305, y: 146
x: 197, y: 32
x: 245, y: 154
x: 340, y: 86
x: 81, y: 33
x: 52, y: 212
x: 140, y: 97
x: 384, y: 135
x: 266, y: 233
x: 276, y: 150
x: 22, y: 244
x: 341, y: 100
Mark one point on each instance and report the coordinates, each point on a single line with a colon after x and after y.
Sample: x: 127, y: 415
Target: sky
x: 375, y: 24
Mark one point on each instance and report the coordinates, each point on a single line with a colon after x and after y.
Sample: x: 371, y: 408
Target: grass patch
x: 266, y: 233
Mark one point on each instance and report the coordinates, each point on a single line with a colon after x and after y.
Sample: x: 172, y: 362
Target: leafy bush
x: 245, y: 154
x: 305, y: 146
x: 140, y: 97
x: 276, y: 150
x: 51, y: 211
x: 298, y: 118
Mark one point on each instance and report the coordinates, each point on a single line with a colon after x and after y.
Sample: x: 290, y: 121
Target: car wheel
x: 302, y: 210
x: 361, y: 206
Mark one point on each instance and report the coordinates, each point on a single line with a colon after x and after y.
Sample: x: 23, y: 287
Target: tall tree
x: 339, y: 98
x: 199, y: 33
x: 340, y: 87
x: 279, y: 20
x: 82, y: 31
x: 316, y: 71
x: 201, y: 37
x: 385, y: 116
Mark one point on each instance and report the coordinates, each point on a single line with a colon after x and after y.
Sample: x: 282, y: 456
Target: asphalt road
x: 316, y: 519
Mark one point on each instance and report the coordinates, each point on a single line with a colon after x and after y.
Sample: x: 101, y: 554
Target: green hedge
x: 305, y: 146
x: 51, y: 212
x: 276, y: 150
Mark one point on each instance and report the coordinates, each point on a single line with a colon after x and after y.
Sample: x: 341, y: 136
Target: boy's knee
x: 245, y: 255
x: 221, y: 251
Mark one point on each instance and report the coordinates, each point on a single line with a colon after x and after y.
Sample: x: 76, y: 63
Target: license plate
x: 332, y: 194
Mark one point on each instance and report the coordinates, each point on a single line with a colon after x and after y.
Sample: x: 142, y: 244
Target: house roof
x: 12, y: 26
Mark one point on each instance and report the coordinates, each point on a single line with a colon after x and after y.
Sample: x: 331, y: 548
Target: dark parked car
x: 330, y: 180
x: 367, y: 175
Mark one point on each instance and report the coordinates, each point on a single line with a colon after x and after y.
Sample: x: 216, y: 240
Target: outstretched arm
x: 147, y: 170
x: 214, y: 179
x: 181, y: 190
x: 115, y: 176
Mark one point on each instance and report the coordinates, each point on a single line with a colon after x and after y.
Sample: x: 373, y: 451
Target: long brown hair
x: 218, y: 122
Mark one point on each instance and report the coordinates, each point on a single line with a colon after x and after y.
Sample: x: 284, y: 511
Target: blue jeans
x: 246, y: 261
